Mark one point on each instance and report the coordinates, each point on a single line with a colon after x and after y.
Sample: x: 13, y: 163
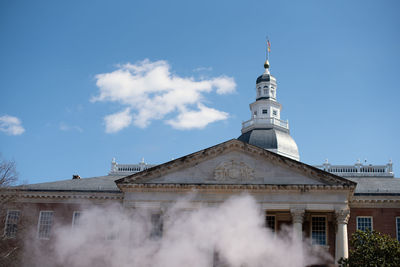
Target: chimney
x: 75, y: 176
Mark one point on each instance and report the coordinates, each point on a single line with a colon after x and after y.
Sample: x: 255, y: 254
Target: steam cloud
x: 234, y: 232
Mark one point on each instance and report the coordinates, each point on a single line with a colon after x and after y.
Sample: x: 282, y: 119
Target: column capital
x: 342, y: 216
x: 297, y: 215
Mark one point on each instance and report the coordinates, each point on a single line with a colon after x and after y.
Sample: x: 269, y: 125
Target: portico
x: 314, y: 203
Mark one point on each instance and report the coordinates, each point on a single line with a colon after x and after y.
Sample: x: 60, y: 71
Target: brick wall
x: 384, y: 219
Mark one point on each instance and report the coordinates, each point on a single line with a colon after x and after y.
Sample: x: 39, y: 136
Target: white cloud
x: 150, y: 91
x: 225, y: 85
x: 11, y: 125
x: 118, y: 121
x: 197, y: 119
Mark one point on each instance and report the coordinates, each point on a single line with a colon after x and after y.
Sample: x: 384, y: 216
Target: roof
x: 272, y: 139
x: 263, y: 78
x: 108, y: 184
x: 93, y: 184
x: 365, y: 186
x: 265, y: 138
x: 377, y: 186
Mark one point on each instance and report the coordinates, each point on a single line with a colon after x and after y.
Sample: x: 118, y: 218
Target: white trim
x: 372, y: 221
x: 73, y: 217
x: 397, y: 228
x: 326, y: 230
x: 157, y: 227
x: 38, y: 225
x: 6, y: 222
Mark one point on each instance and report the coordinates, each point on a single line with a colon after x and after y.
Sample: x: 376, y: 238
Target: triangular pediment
x: 234, y: 162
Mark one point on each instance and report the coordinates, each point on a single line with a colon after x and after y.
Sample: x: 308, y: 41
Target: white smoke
x: 231, y: 234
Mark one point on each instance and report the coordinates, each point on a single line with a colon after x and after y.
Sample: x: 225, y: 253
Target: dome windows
x: 266, y: 89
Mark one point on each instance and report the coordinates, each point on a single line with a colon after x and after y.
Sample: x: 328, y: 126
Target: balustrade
x: 265, y: 121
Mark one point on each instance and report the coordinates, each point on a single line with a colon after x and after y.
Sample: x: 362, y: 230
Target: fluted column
x: 342, y: 250
x: 297, y: 222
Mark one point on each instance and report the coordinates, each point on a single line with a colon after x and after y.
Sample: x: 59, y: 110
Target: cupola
x: 265, y: 128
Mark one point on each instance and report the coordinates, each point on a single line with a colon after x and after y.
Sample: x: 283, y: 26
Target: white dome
x: 273, y: 140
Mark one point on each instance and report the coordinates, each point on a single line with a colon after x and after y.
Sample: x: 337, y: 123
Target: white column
x: 342, y: 250
x: 297, y: 221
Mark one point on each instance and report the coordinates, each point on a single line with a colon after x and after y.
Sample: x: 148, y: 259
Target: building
x: 325, y: 203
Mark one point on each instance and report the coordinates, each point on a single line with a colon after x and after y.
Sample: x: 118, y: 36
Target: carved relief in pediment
x: 233, y: 171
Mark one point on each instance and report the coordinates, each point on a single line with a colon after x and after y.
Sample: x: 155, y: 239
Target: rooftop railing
x: 260, y: 122
x: 123, y: 169
x: 359, y: 170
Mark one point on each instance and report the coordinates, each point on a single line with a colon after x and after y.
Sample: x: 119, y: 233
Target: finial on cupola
x: 266, y: 64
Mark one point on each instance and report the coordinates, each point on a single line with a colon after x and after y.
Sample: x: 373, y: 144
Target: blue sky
x: 336, y: 62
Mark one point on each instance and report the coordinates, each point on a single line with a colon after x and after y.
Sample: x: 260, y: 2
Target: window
x: 398, y: 228
x: 44, y: 225
x: 275, y: 112
x: 157, y: 226
x: 259, y: 90
x: 265, y: 91
x: 111, y: 233
x: 75, y: 218
x: 318, y: 230
x: 265, y: 111
x: 270, y: 222
x: 217, y: 261
x: 364, y: 223
x: 10, y: 230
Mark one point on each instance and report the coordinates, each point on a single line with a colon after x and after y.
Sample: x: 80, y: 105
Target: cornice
x: 56, y: 196
x: 17, y: 195
x: 376, y: 202
x: 156, y: 187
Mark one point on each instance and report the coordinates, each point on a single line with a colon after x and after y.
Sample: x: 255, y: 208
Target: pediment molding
x: 240, y: 171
